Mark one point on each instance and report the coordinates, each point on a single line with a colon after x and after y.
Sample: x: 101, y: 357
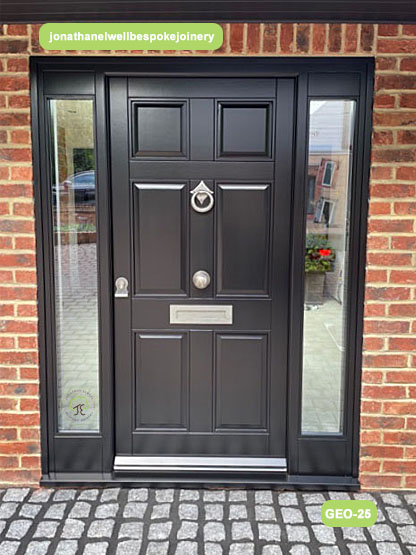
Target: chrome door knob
x: 201, y: 279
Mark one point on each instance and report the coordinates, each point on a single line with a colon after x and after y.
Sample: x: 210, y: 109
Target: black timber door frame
x: 318, y: 460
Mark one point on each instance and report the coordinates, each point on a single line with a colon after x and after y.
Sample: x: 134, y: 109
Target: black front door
x: 201, y: 189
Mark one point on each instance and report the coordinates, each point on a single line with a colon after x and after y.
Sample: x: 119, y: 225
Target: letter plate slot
x: 201, y: 314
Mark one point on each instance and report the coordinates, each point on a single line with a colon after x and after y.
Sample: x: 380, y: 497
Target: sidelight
x: 331, y: 129
x: 73, y: 183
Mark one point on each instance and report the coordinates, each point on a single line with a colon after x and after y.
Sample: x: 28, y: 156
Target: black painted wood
x: 241, y: 379
x: 72, y: 82
x: 234, y: 119
x: 121, y: 200
x: 202, y: 124
x: 105, y: 281
x: 161, y: 399
x: 200, y: 382
x: 160, y: 129
x: 280, y: 278
x: 231, y: 365
x: 160, y: 231
x: 243, y: 239
x: 33, y: 11
x: 193, y: 87
x: 324, y: 84
x: 230, y: 170
x: 201, y: 244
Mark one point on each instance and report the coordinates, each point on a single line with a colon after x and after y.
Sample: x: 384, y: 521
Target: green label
x: 130, y: 36
x: 357, y: 513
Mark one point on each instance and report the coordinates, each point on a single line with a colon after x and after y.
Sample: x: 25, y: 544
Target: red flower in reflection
x: 325, y: 252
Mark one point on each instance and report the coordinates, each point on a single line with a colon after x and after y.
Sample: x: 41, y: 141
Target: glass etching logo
x: 79, y: 405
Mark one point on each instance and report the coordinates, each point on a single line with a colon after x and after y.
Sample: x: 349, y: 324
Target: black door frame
x: 313, y: 461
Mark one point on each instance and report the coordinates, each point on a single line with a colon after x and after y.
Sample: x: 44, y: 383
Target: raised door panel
x: 243, y: 239
x: 241, y: 382
x: 160, y: 239
x: 244, y: 130
x: 160, y: 129
x: 161, y: 372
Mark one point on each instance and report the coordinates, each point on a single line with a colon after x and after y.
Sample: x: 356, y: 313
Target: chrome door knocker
x: 199, y: 198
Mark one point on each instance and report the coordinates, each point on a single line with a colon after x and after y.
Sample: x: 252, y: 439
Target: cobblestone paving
x: 192, y: 522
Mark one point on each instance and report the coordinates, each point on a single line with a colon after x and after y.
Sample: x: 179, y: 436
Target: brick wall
x: 388, y: 437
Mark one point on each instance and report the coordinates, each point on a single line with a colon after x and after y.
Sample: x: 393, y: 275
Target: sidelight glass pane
x: 331, y: 125
x: 75, y: 262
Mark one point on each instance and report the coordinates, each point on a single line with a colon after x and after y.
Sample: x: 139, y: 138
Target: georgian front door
x: 201, y: 192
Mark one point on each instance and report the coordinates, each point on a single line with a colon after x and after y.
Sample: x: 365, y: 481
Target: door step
x: 204, y: 465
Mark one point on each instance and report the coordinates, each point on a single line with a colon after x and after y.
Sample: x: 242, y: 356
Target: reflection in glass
x: 326, y: 259
x: 75, y: 262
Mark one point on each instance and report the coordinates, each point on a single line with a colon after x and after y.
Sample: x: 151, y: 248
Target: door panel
x: 244, y: 130
x: 161, y: 370
x: 200, y: 389
x: 160, y: 129
x: 241, y: 382
x: 243, y: 239
x: 160, y: 238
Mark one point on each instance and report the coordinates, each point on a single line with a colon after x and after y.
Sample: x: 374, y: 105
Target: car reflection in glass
x: 81, y: 186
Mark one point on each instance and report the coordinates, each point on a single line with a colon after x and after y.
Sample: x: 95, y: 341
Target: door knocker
x: 199, y: 198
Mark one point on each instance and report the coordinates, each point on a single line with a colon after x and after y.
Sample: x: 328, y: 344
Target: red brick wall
x: 388, y: 437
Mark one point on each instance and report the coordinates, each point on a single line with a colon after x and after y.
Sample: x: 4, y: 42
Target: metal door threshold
x: 157, y: 464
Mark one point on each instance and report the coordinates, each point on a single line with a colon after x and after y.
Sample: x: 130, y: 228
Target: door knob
x: 201, y: 279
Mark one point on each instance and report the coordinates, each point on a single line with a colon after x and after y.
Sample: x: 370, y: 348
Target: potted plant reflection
x: 319, y: 259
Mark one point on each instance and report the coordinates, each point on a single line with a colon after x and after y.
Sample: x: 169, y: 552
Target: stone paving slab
x: 145, y: 521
